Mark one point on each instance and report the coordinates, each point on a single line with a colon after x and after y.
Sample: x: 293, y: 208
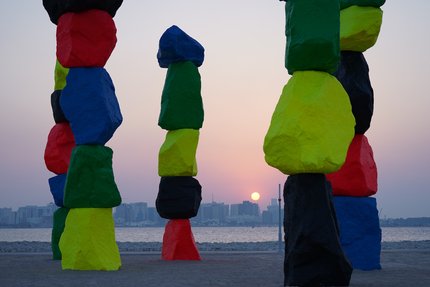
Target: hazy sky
x: 242, y: 78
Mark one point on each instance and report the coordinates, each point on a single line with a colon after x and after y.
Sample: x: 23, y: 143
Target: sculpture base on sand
x: 313, y: 254
x: 178, y: 241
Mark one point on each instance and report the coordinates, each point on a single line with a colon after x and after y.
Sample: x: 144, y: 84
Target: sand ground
x: 400, y: 268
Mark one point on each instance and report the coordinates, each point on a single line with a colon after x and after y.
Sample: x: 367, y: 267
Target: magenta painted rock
x: 359, y: 175
x: 59, y: 148
x: 85, y: 39
x: 178, y: 241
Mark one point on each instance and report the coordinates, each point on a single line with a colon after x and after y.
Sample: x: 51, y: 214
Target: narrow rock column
x: 57, y: 157
x: 181, y: 114
x: 309, y: 134
x: 86, y: 107
x: 355, y: 183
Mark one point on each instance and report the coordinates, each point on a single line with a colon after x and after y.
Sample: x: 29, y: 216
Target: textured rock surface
x: 311, y: 127
x: 85, y: 39
x: 373, y: 3
x: 90, y: 104
x: 313, y: 254
x: 359, y: 28
x: 56, y: 8
x: 88, y: 240
x: 178, y: 241
x: 359, y: 175
x: 60, y: 75
x: 59, y: 148
x: 57, y: 112
x: 90, y: 180
x: 178, y: 197
x: 360, y: 233
x: 353, y: 74
x: 176, y: 46
x: 312, y: 32
x: 56, y: 185
x: 181, y: 101
x: 177, y: 156
x: 59, y: 220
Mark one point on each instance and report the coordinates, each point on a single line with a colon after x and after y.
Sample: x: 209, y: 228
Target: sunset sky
x: 242, y: 78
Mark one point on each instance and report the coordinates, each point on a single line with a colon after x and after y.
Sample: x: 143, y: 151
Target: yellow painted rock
x: 177, y: 156
x: 359, y: 28
x: 88, y: 240
x: 60, y: 76
x: 312, y: 125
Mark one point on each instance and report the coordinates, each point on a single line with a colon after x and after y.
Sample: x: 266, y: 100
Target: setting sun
x: 255, y: 196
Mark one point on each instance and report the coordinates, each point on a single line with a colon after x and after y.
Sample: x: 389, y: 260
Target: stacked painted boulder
x: 181, y: 114
x: 356, y: 181
x: 87, y: 113
x: 309, y: 135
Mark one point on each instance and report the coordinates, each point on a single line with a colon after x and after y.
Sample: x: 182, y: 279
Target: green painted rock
x: 359, y: 28
x: 372, y: 3
x: 312, y: 30
x: 181, y: 102
x: 59, y: 221
x: 90, y: 181
x: 60, y: 75
x: 88, y: 240
x: 177, y: 156
x: 312, y: 125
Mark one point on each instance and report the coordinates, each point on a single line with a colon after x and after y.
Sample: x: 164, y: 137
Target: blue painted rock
x: 59, y: 148
x: 312, y: 30
x: 359, y: 28
x: 353, y: 74
x: 181, y: 101
x: 177, y: 156
x: 90, y: 180
x: 313, y: 254
x: 359, y: 175
x: 57, y: 112
x: 176, y: 46
x: 85, y: 39
x: 56, y: 185
x: 90, y: 104
x: 59, y: 220
x: 56, y: 8
x: 311, y: 127
x: 372, y: 3
x: 178, y: 197
x: 88, y: 240
x: 360, y: 233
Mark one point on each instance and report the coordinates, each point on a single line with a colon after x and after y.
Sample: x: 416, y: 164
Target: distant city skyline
x: 141, y: 214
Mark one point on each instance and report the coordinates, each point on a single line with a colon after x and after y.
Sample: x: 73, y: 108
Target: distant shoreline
x: 37, y: 247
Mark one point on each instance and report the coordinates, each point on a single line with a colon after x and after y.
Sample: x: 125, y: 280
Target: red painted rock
x: 178, y: 241
x: 85, y: 39
x: 358, y: 176
x: 59, y: 148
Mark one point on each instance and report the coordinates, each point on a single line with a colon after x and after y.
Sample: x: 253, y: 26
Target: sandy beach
x: 400, y: 267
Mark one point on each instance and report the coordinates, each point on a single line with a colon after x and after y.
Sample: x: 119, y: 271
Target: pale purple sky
x: 242, y: 78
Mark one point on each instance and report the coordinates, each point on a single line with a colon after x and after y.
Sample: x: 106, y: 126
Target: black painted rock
x: 178, y: 197
x: 313, y: 254
x: 353, y: 73
x: 56, y: 8
x: 59, y: 116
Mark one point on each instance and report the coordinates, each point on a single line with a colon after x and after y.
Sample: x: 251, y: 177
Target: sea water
x: 206, y: 234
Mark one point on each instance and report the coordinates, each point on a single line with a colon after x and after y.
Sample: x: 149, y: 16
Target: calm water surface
x: 208, y: 234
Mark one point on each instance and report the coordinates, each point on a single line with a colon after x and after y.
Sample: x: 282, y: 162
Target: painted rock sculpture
x: 182, y: 114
